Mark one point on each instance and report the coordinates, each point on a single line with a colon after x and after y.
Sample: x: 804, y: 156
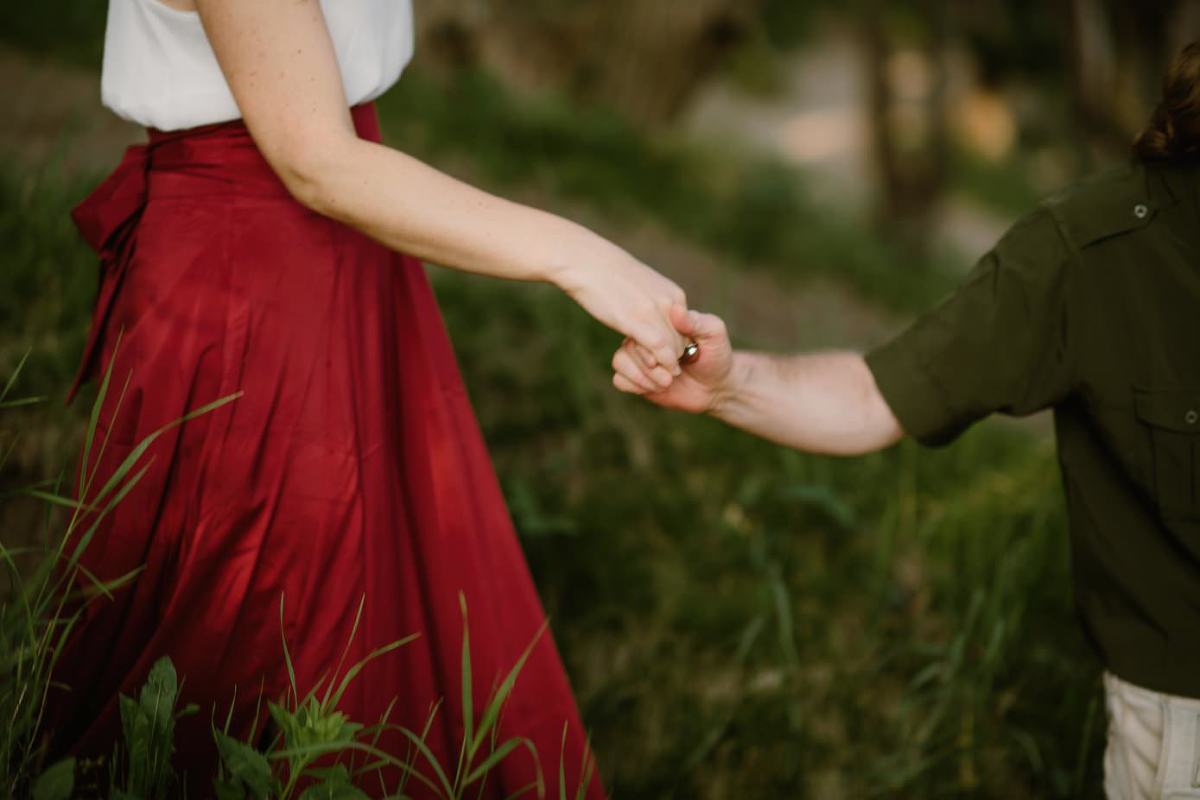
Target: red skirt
x: 350, y: 467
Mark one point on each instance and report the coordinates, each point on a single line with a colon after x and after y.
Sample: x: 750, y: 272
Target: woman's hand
x: 703, y: 382
x: 632, y: 299
x: 820, y: 402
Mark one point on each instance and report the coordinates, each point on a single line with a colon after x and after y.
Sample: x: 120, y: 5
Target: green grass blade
x: 524, y: 790
x: 352, y: 673
x: 345, y: 650
x: 493, y: 758
x: 122, y: 492
x: 89, y: 437
x: 140, y: 448
x: 287, y: 656
x: 24, y: 401
x: 12, y: 379
x: 55, y: 499
x: 317, y: 750
x: 467, y: 747
x: 446, y: 790
x: 492, y: 713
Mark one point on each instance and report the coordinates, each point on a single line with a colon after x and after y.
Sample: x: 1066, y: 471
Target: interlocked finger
x: 625, y: 365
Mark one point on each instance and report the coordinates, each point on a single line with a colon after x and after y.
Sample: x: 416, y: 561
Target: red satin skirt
x: 351, y: 468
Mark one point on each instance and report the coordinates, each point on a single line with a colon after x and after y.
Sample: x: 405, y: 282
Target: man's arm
x: 821, y: 402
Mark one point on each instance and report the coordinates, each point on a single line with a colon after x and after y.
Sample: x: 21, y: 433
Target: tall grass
x: 743, y: 620
x: 738, y: 620
x: 45, y: 602
x: 307, y: 755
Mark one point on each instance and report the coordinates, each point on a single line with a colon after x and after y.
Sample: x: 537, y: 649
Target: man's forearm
x: 821, y: 402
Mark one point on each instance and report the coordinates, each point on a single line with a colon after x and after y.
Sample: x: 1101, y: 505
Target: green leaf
x: 335, y: 785
x: 160, y: 692
x: 284, y: 719
x: 57, y: 782
x: 249, y: 770
x: 228, y: 789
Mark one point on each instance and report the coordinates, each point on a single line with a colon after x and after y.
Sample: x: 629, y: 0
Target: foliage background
x: 738, y: 620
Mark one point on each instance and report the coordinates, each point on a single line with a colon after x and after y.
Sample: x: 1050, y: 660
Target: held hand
x: 703, y: 381
x: 636, y: 301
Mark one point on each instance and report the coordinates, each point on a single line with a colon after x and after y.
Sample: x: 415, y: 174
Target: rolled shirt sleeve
x: 1001, y: 342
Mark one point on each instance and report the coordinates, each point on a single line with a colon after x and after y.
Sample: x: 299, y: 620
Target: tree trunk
x: 910, y: 154
x: 644, y: 59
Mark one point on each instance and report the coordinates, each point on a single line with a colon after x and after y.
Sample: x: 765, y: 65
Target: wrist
x: 728, y: 393
x: 568, y: 253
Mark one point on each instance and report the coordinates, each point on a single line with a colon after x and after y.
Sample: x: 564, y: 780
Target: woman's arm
x: 281, y: 66
x: 821, y: 402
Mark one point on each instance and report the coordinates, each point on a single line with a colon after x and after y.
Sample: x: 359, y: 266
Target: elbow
x: 878, y: 427
x: 308, y: 181
x: 881, y: 429
x: 306, y: 186
x: 309, y: 170
x: 867, y: 439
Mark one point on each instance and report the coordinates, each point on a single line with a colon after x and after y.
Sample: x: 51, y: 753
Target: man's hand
x: 703, y: 382
x: 819, y: 402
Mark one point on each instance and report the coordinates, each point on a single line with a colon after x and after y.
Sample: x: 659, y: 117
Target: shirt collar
x: 1175, y: 191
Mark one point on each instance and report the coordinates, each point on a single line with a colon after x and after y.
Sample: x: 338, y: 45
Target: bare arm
x: 280, y: 64
x: 821, y: 402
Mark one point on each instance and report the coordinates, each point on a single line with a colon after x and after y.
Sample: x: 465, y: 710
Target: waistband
x: 222, y: 159
x: 215, y: 160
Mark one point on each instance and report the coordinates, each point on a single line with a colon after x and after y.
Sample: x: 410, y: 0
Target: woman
x: 1090, y: 305
x: 253, y: 246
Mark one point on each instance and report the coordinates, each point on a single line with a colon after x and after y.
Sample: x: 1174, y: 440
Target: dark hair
x: 1173, y: 134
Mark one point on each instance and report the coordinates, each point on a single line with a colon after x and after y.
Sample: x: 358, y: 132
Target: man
x: 1089, y: 305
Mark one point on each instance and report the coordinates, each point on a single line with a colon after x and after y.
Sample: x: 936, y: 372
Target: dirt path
x: 817, y: 121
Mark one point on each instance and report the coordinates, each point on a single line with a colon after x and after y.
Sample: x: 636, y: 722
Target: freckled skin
x: 402, y: 202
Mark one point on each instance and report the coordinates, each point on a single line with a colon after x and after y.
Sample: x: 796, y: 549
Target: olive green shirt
x: 1090, y: 305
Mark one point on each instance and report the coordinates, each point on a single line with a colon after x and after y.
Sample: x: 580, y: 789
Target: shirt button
x: 1191, y: 417
x: 1141, y: 210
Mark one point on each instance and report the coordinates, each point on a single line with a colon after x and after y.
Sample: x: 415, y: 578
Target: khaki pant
x: 1153, y: 744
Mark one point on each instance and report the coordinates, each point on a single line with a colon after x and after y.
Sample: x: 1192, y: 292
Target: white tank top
x: 159, y: 69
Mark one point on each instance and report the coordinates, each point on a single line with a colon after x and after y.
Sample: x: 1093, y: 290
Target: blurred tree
x: 71, y: 30
x: 1118, y: 53
x: 907, y: 111
x: 645, y: 59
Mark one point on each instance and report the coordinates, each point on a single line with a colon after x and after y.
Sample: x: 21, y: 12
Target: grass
x: 738, y: 619
x: 66, y: 30
x: 311, y: 752
x: 743, y: 620
x: 753, y: 211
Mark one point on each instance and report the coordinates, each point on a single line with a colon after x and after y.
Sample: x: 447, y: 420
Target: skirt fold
x: 350, y: 469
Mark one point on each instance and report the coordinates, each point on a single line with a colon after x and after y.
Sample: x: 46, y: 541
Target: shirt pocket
x: 1172, y: 420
